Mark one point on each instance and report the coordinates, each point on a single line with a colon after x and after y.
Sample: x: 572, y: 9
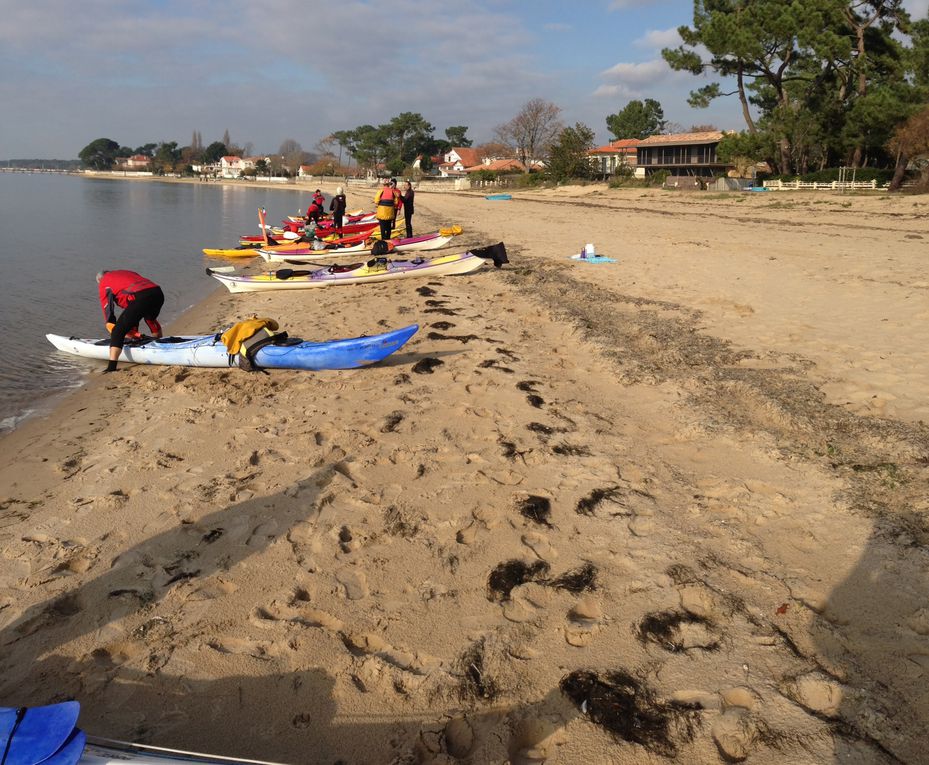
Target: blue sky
x: 140, y: 71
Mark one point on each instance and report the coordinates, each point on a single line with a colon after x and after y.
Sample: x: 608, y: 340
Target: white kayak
x: 101, y: 751
x: 208, y: 351
x: 374, y: 270
x: 423, y: 243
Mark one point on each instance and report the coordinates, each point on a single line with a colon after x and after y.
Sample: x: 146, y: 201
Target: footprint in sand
x: 258, y: 649
x: 354, y: 583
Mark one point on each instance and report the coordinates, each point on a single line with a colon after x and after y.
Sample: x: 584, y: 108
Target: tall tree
x: 99, y: 154
x: 166, y: 157
x: 910, y: 141
x: 214, y: 152
x: 637, y: 119
x: 227, y: 140
x: 532, y: 131
x: 568, y: 156
x: 456, y: 136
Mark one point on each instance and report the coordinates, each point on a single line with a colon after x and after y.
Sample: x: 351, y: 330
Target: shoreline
x: 709, y: 485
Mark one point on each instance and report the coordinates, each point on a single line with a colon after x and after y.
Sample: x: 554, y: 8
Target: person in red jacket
x: 140, y: 298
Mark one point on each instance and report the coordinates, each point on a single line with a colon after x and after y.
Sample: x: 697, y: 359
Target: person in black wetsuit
x: 337, y: 208
x: 408, y: 195
x: 140, y: 298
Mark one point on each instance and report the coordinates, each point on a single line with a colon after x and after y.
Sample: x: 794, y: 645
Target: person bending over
x: 140, y: 298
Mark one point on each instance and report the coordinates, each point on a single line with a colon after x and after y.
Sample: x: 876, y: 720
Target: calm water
x: 57, y: 231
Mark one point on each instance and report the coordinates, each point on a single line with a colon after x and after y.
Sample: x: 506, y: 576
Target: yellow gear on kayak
x: 238, y: 333
x: 453, y: 230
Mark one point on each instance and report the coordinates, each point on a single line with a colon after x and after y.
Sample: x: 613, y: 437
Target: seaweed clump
x: 537, y: 509
x: 628, y: 708
x: 587, y: 505
x: 513, y: 573
x: 577, y: 580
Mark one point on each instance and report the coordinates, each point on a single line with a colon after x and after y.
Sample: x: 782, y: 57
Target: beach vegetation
x: 637, y: 119
x: 568, y: 155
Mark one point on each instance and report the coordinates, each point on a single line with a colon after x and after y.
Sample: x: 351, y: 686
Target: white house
x: 231, y: 166
x: 457, y: 159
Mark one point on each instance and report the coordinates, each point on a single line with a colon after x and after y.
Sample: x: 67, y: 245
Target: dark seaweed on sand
x: 628, y: 708
x: 443, y: 325
x: 426, y: 291
x: 425, y: 366
x: 476, y: 681
x: 571, y: 450
x: 661, y: 628
x: 536, y: 509
x: 535, y: 400
x: 581, y: 579
x: 587, y: 505
x: 390, y: 424
x: 512, y: 573
x: 460, y: 338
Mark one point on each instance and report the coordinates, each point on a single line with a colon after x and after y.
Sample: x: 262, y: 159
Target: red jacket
x: 120, y: 288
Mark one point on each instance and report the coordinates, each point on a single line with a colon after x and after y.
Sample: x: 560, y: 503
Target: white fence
x: 833, y: 186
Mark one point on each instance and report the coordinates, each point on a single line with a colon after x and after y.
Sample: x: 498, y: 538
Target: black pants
x: 146, y: 305
x: 337, y: 223
x: 408, y: 219
x: 386, y: 228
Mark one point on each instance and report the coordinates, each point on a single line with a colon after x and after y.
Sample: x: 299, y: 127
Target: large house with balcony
x: 682, y: 154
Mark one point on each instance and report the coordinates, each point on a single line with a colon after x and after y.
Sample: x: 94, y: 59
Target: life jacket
x: 386, y: 202
x: 244, y: 339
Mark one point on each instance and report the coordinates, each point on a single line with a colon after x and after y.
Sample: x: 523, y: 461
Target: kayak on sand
x: 374, y: 270
x: 422, y: 243
x: 209, y: 351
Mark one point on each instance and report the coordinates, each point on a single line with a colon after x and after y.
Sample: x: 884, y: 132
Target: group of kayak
x: 299, y: 242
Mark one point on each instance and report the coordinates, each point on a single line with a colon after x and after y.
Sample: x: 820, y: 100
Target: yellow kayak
x: 236, y: 252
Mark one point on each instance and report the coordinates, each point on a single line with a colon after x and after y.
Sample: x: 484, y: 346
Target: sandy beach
x: 672, y: 508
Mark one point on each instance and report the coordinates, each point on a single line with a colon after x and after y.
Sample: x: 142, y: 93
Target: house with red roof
x: 457, y: 159
x: 135, y: 162
x: 610, y: 159
x: 231, y: 166
x: 498, y: 166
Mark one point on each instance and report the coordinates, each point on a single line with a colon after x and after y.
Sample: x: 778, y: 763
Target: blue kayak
x: 498, y: 197
x: 208, y: 351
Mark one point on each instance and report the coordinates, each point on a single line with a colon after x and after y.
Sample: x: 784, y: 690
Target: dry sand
x: 672, y: 507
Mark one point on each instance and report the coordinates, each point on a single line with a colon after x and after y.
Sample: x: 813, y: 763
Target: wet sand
x: 673, y: 506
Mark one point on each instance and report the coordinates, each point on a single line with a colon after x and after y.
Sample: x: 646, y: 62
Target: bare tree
x: 293, y: 154
x: 531, y: 132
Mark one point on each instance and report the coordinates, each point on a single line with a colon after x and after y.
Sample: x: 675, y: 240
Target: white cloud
x: 919, y: 9
x: 656, y: 39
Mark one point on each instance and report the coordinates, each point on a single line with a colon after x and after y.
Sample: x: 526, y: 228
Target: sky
x: 147, y: 71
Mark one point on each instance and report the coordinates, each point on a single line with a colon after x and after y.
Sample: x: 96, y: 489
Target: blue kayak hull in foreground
x: 207, y: 351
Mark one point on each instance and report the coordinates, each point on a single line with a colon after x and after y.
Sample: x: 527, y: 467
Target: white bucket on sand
x: 589, y: 251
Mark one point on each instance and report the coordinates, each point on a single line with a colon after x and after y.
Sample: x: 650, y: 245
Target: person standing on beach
x: 337, y: 208
x: 408, y: 195
x: 387, y: 200
x: 140, y: 298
